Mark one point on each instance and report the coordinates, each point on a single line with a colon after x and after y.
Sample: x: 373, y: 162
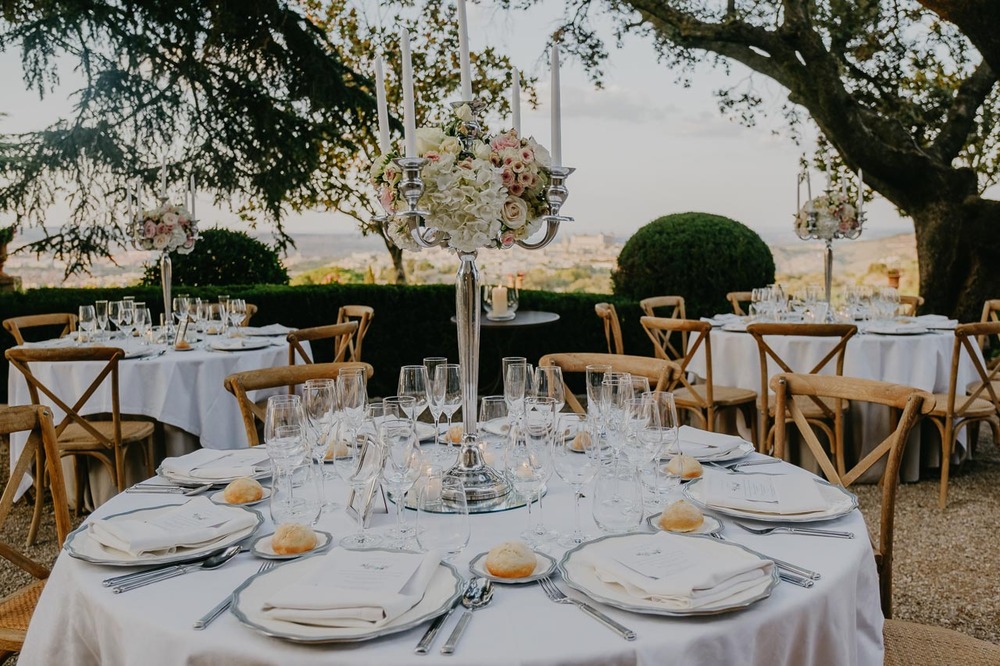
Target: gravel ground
x: 946, y: 561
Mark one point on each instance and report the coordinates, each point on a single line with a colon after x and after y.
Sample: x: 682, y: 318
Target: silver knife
x: 424, y: 646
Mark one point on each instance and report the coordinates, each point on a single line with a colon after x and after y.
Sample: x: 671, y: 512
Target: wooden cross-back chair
x: 704, y: 400
x: 15, y: 325
x: 241, y: 383
x: 659, y: 372
x: 17, y: 607
x: 675, y: 310
x: 908, y: 643
x: 909, y: 304
x: 955, y: 412
x: 104, y: 441
x: 250, y: 312
x: 362, y: 315
x: 907, y: 405
x: 737, y: 299
x: 340, y: 334
x: 991, y: 313
x: 818, y: 411
x: 612, y: 327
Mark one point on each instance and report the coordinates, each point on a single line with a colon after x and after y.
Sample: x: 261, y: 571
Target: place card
x: 743, y: 488
x: 378, y: 572
x: 657, y: 561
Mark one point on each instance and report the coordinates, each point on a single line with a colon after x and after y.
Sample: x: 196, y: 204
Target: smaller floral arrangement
x: 827, y: 216
x: 167, y: 228
x: 489, y: 195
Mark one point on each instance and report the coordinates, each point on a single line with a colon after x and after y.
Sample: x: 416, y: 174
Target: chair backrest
x: 612, y: 327
x: 362, y: 315
x: 737, y: 299
x: 23, y: 358
x: 250, y: 312
x: 909, y: 304
x: 241, y: 383
x: 907, y: 405
x: 655, y: 327
x: 339, y: 333
x: 660, y: 372
x: 15, y: 325
x: 675, y: 310
x: 991, y: 313
x: 957, y: 403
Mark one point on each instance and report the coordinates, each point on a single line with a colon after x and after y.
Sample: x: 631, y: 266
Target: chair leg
x: 946, y: 445
x: 81, y: 481
x: 36, y: 516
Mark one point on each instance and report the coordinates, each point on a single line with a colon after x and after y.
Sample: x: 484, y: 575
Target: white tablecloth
x: 180, y: 389
x: 921, y: 361
x: 839, y: 621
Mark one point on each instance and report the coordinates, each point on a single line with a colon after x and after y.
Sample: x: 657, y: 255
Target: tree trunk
x: 958, y: 249
x: 397, y: 260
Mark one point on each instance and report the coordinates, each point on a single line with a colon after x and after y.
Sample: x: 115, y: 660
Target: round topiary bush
x: 223, y: 257
x: 699, y: 256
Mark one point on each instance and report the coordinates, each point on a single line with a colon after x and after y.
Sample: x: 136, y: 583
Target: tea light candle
x: 499, y: 297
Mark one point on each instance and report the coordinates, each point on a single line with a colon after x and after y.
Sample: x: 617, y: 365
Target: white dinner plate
x: 709, y: 526
x: 262, y: 547
x: 82, y: 546
x: 220, y: 498
x: 136, y: 351
x: 444, y: 589
x: 239, y: 344
x: 840, y: 503
x: 544, y: 566
x: 425, y: 431
x: 499, y: 427
x: 583, y: 579
x: 892, y: 329
x: 735, y: 327
x: 744, y: 449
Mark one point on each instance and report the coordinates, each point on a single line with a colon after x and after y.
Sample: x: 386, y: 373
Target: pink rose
x: 392, y: 174
x: 164, y: 228
x: 507, y: 239
x: 387, y: 197
x: 149, y: 229
x: 516, y: 189
x: 517, y: 166
x: 527, y: 155
x: 526, y: 178
x: 432, y: 156
x: 507, y: 177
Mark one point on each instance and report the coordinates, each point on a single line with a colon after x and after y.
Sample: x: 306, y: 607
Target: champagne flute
x: 431, y: 363
x: 87, y: 321
x: 549, y: 382
x: 319, y: 405
x: 537, y: 434
x: 576, y: 458
x: 595, y: 384
x: 361, y: 468
x: 101, y: 313
x: 353, y: 399
x: 616, y: 391
x: 223, y: 312
x: 294, y: 496
x: 414, y: 382
x: 448, y: 385
x: 515, y: 388
x: 666, y: 410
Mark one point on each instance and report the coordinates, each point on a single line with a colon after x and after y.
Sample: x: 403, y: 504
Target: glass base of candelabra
x: 482, y: 482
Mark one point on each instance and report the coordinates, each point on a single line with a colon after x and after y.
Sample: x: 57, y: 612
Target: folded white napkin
x: 366, y: 589
x: 212, y: 464
x: 785, y: 494
x: 902, y: 327
x: 270, y: 329
x: 197, y: 522
x: 675, y: 572
x: 706, y: 445
x: 722, y: 319
x: 65, y: 341
x: 937, y: 321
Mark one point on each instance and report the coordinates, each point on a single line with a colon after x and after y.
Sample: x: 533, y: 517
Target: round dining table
x: 838, y: 621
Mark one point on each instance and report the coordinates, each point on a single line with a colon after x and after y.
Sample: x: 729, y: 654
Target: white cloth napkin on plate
x: 897, y: 328
x: 212, y: 464
x: 785, y: 494
x: 937, y: 321
x: 723, y: 319
x: 270, y: 329
x: 197, y: 522
x: 366, y: 589
x: 692, y: 573
x: 706, y: 445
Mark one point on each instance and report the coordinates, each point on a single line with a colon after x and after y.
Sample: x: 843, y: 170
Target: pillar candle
x: 556, y: 111
x: 463, y: 52
x: 409, y: 118
x: 499, y: 298
x: 383, y: 109
x: 515, y: 100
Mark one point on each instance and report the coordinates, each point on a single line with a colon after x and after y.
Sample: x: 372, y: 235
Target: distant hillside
x: 854, y: 262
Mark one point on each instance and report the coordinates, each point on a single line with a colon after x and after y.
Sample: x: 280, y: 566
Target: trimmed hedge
x: 218, y: 255
x: 410, y: 322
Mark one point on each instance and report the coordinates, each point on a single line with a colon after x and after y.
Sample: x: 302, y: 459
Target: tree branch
x: 961, y: 118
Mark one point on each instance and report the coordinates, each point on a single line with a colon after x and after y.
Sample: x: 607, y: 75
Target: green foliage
x: 699, y: 256
x: 411, y: 322
x: 221, y: 257
x: 7, y: 234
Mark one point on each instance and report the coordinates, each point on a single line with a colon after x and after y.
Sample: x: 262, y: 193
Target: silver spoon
x: 213, y: 562
x: 475, y: 597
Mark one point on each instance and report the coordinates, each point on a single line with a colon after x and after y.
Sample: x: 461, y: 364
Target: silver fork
x: 555, y: 594
x: 784, y: 529
x: 209, y: 617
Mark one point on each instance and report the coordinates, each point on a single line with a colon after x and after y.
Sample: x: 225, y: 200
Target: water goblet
x: 576, y: 459
x: 402, y: 464
x: 414, y: 382
x: 87, y: 322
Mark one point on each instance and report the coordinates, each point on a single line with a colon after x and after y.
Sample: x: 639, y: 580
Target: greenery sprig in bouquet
x: 168, y: 227
x: 486, y: 197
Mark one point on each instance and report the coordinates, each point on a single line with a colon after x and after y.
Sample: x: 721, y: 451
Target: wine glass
x: 595, y: 384
x: 548, y: 382
x: 576, y: 459
x: 528, y: 459
x: 402, y: 464
x: 442, y: 526
x: 644, y: 436
x: 237, y: 312
x: 142, y: 324
x: 282, y: 410
x: 128, y: 317
x: 319, y: 405
x: 448, y: 389
x: 431, y: 363
x: 180, y: 310
x: 360, y: 467
x: 294, y: 491
x: 87, y: 322
x: 353, y: 396
x: 515, y: 388
x: 414, y: 382
x: 101, y: 313
x: 115, y: 313
x: 539, y: 428
x: 640, y: 385
x: 617, y: 506
x: 666, y: 416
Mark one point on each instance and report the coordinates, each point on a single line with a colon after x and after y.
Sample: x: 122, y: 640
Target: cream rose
x: 451, y: 144
x: 464, y: 113
x: 514, y: 213
x: 429, y: 138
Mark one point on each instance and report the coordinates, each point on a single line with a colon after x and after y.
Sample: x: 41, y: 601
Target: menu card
x: 777, y: 494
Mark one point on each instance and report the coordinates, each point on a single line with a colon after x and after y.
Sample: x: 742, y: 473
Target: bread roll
x: 511, y: 559
x: 454, y: 434
x: 337, y: 449
x: 293, y: 538
x: 182, y: 344
x: 581, y: 442
x: 243, y: 490
x: 685, y: 467
x: 681, y: 516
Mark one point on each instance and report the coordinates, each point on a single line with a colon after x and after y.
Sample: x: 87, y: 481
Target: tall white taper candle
x: 861, y: 191
x: 191, y: 188
x: 163, y: 178
x: 556, y: 112
x: 463, y: 52
x: 383, y: 109
x: 515, y: 100
x: 409, y: 117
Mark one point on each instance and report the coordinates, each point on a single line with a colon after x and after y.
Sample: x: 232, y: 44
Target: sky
x: 643, y: 146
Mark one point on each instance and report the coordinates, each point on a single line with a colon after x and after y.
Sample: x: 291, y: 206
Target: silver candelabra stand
x: 482, y: 483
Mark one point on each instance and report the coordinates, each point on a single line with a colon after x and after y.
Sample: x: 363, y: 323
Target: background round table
x: 523, y: 319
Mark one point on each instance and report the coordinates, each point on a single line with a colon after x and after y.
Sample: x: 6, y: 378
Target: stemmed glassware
x: 494, y: 428
x: 414, y: 382
x: 448, y: 391
x: 142, y: 323
x: 516, y: 386
x: 87, y: 322
x: 436, y: 530
x: 353, y: 395
x: 528, y: 460
x: 224, y: 313
x: 643, y: 435
x: 433, y: 406
x: 115, y: 313
x: 665, y: 411
x: 294, y: 493
x: 128, y: 317
x: 360, y: 466
x: 402, y: 461
x: 576, y: 458
x: 548, y: 382
x: 180, y: 311
x: 237, y: 312
x: 101, y: 314
x: 319, y: 404
x: 616, y: 391
x: 595, y: 389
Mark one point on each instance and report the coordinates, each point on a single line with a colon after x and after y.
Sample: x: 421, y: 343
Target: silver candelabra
x: 482, y: 483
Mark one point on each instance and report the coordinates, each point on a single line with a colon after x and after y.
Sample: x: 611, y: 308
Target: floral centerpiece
x: 828, y: 216
x: 166, y: 228
x: 487, y: 192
